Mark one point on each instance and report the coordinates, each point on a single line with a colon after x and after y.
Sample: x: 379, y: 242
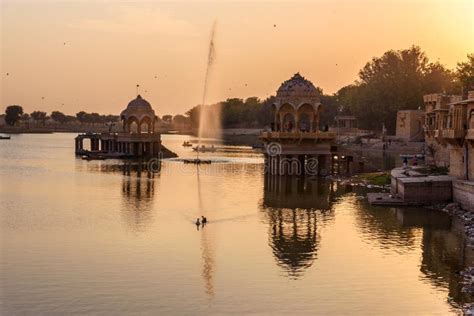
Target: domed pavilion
x: 295, y: 145
x: 297, y: 106
x: 137, y: 137
x: 139, y: 117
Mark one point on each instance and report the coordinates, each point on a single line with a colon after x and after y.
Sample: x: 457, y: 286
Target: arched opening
x: 306, y: 117
x: 286, y: 115
x: 304, y: 123
x: 288, y: 122
x: 145, y: 125
x: 471, y: 120
x: 87, y: 144
x: 132, y: 124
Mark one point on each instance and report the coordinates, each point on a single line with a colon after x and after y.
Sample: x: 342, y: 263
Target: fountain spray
x: 208, y: 122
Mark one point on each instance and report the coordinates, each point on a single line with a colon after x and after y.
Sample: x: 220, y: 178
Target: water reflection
x: 293, y: 208
x: 207, y: 249
x: 208, y: 261
x: 137, y: 202
x: 137, y: 190
x: 382, y: 227
x: 444, y: 253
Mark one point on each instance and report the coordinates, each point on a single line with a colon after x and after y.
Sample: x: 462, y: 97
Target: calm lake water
x: 86, y: 237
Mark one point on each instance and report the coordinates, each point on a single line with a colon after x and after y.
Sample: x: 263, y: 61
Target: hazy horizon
x: 90, y: 55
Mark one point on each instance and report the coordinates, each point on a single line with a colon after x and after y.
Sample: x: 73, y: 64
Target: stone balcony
x: 298, y: 135
x: 453, y: 133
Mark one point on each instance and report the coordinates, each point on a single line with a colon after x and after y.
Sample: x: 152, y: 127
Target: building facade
x: 410, y: 125
x: 449, y: 131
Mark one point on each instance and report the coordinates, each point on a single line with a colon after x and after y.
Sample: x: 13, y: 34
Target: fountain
x: 209, y: 115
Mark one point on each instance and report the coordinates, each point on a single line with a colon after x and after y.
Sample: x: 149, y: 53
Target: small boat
x: 88, y: 158
x: 187, y: 144
x: 410, y: 156
x: 5, y: 137
x: 204, y: 149
x: 197, y: 161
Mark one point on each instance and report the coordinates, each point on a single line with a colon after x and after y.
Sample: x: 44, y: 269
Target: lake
x: 106, y: 237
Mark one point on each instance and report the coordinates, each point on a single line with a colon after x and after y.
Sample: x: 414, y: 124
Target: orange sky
x: 111, y: 46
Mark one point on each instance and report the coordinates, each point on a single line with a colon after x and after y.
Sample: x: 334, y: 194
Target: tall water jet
x: 209, y: 115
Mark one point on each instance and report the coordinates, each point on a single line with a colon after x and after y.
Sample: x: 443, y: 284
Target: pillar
x: 140, y: 149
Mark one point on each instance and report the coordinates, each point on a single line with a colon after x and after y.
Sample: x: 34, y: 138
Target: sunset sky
x: 90, y: 55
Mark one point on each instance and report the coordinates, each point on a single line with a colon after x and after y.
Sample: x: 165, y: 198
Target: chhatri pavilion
x: 137, y: 137
x: 296, y: 145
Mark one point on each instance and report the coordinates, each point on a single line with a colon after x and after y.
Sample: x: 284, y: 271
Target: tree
x: 167, y: 118
x: 13, y: 114
x: 193, y: 115
x: 39, y: 116
x: 395, y: 81
x: 465, y: 74
x: 81, y: 116
x: 437, y: 79
x: 25, y: 118
x: 180, y: 121
x: 59, y: 117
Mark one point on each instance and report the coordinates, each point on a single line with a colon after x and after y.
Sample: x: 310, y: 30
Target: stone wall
x: 456, y: 162
x: 463, y: 193
x: 425, y: 190
x: 410, y: 125
x: 440, y: 155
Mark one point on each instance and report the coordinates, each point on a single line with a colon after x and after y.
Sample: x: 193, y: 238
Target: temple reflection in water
x: 294, y: 207
x: 137, y: 190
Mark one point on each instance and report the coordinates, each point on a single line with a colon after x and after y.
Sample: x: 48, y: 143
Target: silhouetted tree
x: 13, y: 114
x: 465, y: 74
x: 167, y: 118
x: 58, y: 117
x: 39, y: 116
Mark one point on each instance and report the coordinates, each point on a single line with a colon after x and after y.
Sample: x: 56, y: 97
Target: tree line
x: 15, y: 114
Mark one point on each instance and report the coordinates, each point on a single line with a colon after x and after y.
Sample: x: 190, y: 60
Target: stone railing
x: 298, y: 135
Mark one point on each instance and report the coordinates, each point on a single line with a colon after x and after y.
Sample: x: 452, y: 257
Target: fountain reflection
x: 207, y: 248
x: 293, y: 207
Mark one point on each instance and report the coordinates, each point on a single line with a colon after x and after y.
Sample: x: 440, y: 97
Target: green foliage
x: 167, y: 118
x: 93, y: 118
x: 59, y: 117
x: 465, y: 73
x: 375, y: 178
x: 39, y: 116
x: 13, y: 114
x: 395, y: 81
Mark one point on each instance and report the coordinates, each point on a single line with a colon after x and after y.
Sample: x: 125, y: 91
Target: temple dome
x: 138, y: 107
x: 138, y: 111
x: 297, y: 86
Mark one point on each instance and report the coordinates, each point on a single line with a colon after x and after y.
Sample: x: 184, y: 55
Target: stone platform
x: 388, y: 199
